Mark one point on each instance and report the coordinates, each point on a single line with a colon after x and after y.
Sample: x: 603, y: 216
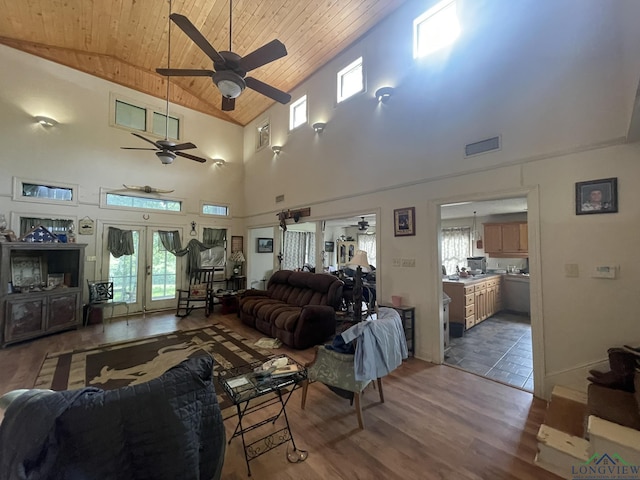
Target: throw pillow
x: 199, y: 290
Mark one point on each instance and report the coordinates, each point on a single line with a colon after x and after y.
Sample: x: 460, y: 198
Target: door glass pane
x: 123, y: 272
x: 163, y: 271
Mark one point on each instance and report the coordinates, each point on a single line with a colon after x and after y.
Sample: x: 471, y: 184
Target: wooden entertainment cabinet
x: 41, y: 288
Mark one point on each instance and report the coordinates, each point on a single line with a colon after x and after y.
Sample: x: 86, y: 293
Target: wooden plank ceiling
x: 124, y: 41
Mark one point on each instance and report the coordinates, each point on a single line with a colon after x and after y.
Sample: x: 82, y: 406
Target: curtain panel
x: 456, y: 247
x: 171, y: 242
x: 120, y: 242
x: 299, y: 249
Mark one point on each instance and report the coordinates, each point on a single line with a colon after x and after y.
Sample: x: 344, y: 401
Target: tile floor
x: 498, y: 348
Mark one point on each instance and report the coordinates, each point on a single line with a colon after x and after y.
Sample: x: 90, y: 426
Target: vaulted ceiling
x: 124, y: 41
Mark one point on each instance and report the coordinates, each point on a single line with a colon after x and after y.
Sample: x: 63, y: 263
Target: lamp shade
x: 360, y: 260
x: 237, y: 257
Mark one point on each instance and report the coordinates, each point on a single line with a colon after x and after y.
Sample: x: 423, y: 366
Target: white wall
x: 84, y: 150
x: 260, y: 265
x: 561, y: 101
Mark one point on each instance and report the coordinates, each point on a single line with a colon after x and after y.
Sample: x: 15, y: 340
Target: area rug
x: 133, y: 362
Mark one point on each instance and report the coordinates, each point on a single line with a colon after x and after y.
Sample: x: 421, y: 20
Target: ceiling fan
x: 363, y: 225
x: 230, y: 69
x: 166, y: 150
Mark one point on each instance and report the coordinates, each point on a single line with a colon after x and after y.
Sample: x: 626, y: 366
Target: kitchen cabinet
x: 473, y: 301
x: 507, y: 240
x: 31, y: 307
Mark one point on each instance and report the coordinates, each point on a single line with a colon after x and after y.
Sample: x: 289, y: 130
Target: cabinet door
x: 491, y: 301
x: 62, y: 311
x: 492, y: 238
x: 511, y: 237
x: 524, y: 237
x: 24, y: 318
x: 480, y: 306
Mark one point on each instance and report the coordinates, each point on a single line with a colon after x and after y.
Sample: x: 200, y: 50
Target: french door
x: 148, y: 279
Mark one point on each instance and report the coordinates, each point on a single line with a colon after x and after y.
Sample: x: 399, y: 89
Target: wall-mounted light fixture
x: 384, y: 94
x: 218, y: 161
x: 319, y: 127
x: 46, y: 121
x: 276, y: 149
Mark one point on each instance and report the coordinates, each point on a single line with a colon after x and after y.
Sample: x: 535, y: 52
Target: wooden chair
x: 101, y: 296
x: 198, y: 295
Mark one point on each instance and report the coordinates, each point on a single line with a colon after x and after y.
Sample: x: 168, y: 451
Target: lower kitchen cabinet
x: 473, y: 301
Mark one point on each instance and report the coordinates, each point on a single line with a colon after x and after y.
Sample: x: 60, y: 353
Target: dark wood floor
x: 437, y: 422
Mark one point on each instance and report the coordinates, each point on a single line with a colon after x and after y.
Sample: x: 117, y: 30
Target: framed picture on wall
x: 328, y: 247
x: 404, y: 222
x: 597, y: 196
x: 265, y: 245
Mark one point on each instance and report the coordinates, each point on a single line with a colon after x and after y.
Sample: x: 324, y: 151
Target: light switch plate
x: 408, y: 262
x: 396, y: 262
x: 91, y: 258
x: 571, y: 270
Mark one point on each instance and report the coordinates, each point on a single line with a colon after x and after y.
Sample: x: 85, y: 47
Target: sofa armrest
x: 315, y: 325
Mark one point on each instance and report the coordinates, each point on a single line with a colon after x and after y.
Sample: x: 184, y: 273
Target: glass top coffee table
x: 251, y: 390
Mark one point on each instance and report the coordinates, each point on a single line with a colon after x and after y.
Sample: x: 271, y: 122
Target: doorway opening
x: 485, y: 273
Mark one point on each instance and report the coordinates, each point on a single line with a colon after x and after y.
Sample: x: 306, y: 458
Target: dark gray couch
x: 170, y: 427
x: 299, y: 308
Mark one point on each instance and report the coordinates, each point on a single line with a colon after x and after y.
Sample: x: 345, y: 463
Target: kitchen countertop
x: 478, y: 278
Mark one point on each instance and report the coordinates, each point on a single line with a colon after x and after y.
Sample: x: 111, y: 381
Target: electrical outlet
x: 571, y: 270
x: 396, y: 262
x: 408, y: 262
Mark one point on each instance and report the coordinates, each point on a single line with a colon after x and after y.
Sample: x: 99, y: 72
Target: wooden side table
x: 408, y: 317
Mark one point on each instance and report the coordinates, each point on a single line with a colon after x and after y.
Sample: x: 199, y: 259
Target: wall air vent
x: 280, y: 198
x: 482, y: 146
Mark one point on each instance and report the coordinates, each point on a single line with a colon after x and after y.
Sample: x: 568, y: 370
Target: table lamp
x: 360, y: 262
x: 238, y: 258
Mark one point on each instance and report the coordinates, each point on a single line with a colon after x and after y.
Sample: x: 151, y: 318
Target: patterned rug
x: 116, y: 365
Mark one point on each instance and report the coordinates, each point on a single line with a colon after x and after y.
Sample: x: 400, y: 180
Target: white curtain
x: 368, y: 244
x: 299, y: 249
x: 456, y: 247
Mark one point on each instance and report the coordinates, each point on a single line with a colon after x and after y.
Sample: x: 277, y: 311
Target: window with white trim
x: 140, y: 202
x: 298, y: 113
x: 436, y: 28
x: 133, y: 115
x: 350, y: 80
x: 218, y: 210
x: 44, y: 192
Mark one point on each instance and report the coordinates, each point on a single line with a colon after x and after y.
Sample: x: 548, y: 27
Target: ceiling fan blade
x: 184, y: 72
x: 182, y: 146
x: 228, y: 104
x: 267, y: 90
x: 159, y: 147
x: 273, y: 50
x: 194, y: 34
x: 136, y: 148
x: 191, y: 157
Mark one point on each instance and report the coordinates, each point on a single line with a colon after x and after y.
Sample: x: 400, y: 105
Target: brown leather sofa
x: 299, y: 308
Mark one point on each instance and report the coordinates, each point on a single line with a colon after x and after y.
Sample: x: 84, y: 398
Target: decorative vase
x: 236, y: 270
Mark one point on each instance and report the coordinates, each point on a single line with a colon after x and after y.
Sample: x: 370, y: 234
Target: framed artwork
x: 55, y: 280
x: 265, y: 245
x: 26, y: 271
x: 328, y: 247
x: 237, y: 244
x: 404, y: 221
x: 597, y: 196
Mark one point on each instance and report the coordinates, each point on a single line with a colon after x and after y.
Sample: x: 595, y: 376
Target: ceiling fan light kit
x: 166, y: 157
x: 229, y: 83
x: 383, y: 94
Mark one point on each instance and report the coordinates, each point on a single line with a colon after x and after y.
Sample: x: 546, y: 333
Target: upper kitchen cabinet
x: 506, y: 240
